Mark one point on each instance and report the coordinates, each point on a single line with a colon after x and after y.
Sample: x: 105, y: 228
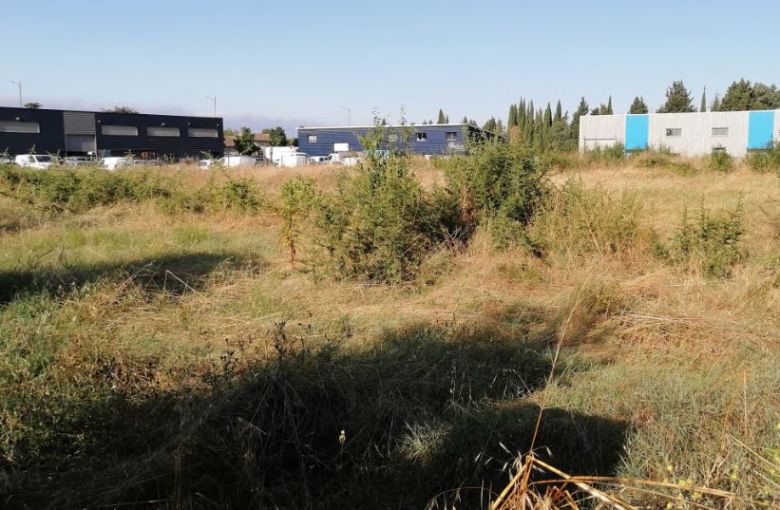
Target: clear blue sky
x: 293, y: 63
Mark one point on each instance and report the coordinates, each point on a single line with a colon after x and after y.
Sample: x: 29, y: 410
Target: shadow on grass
x: 174, y: 274
x: 423, y: 411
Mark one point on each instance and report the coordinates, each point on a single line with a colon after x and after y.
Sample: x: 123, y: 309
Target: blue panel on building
x: 637, y: 132
x: 760, y: 130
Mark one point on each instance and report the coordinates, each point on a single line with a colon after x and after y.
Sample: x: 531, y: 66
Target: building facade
x: 690, y: 134
x: 64, y: 132
x: 434, y: 139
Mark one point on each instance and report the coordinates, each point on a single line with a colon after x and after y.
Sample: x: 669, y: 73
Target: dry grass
x: 690, y: 363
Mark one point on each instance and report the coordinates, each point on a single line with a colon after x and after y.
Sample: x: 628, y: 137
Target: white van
x: 114, y: 162
x: 39, y: 161
x: 231, y: 161
x: 294, y: 159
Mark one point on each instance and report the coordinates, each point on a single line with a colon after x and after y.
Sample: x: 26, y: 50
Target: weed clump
x: 501, y: 184
x: 764, y: 161
x: 576, y: 221
x: 710, y: 244
x: 663, y: 158
x: 720, y: 161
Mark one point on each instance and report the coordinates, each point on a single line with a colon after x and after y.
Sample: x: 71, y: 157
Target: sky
x: 306, y: 63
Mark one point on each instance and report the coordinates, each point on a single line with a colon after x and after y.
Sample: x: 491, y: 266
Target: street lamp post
x: 349, y: 114
x: 19, y: 84
x: 213, y: 99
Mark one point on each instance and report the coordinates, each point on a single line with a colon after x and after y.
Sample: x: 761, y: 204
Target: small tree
x: 441, y: 118
x: 245, y: 141
x: 33, y: 105
x: 120, y: 109
x: 638, y: 106
x: 299, y: 196
x: 582, y: 109
x: 678, y: 99
x: 703, y: 106
x: 277, y: 135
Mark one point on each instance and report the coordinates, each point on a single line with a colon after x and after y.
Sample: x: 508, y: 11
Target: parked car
x: 232, y: 161
x: 5, y: 161
x: 76, y: 161
x: 294, y: 159
x: 208, y: 163
x: 318, y: 160
x: 146, y: 162
x: 115, y: 162
x: 39, y: 161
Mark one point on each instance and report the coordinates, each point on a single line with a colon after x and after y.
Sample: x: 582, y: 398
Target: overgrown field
x: 384, y: 338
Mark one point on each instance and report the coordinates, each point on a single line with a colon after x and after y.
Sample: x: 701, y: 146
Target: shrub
x: 576, y: 220
x: 765, y: 160
x: 606, y: 155
x: 720, y: 161
x: 298, y: 198
x: 380, y: 225
x: 503, y: 184
x: 711, y: 244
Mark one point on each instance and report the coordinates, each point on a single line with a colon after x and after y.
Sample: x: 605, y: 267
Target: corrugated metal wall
x: 691, y: 133
x: 602, y: 131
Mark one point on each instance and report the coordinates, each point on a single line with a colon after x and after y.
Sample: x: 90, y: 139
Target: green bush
x: 501, y: 184
x: 720, y: 161
x: 81, y: 189
x: 380, y: 225
x: 711, y: 244
x: 298, y: 197
x: 765, y: 160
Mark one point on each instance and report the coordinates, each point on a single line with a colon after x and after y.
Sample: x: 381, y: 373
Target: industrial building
x: 65, y: 132
x: 428, y: 140
x: 690, y: 134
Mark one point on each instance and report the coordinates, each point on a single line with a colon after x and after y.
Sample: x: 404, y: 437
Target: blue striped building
x: 435, y: 139
x: 691, y: 134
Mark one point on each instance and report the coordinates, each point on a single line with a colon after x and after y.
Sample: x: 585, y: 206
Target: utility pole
x: 213, y: 99
x: 19, y: 84
x: 349, y: 114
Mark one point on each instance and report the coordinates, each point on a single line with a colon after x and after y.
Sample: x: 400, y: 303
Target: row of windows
x: 452, y: 136
x: 716, y: 131
x: 15, y: 126
x: 161, y: 131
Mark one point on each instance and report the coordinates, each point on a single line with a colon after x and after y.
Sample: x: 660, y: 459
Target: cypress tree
x: 703, y: 107
x: 548, y: 116
x: 582, y: 109
x: 638, y: 106
x: 715, y: 104
x: 442, y: 119
x: 609, y: 106
x: 558, y: 111
x: 512, y: 115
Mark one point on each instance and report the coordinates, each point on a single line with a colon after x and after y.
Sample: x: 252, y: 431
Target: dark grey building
x: 432, y: 139
x: 65, y: 132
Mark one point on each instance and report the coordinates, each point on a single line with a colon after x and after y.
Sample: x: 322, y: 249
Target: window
x: 452, y: 136
x: 341, y: 147
x: 163, y: 131
x: 422, y: 137
x: 720, y: 131
x: 203, y: 133
x: 392, y: 138
x: 15, y: 126
x: 674, y: 132
x: 119, y: 130
x: 312, y: 138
